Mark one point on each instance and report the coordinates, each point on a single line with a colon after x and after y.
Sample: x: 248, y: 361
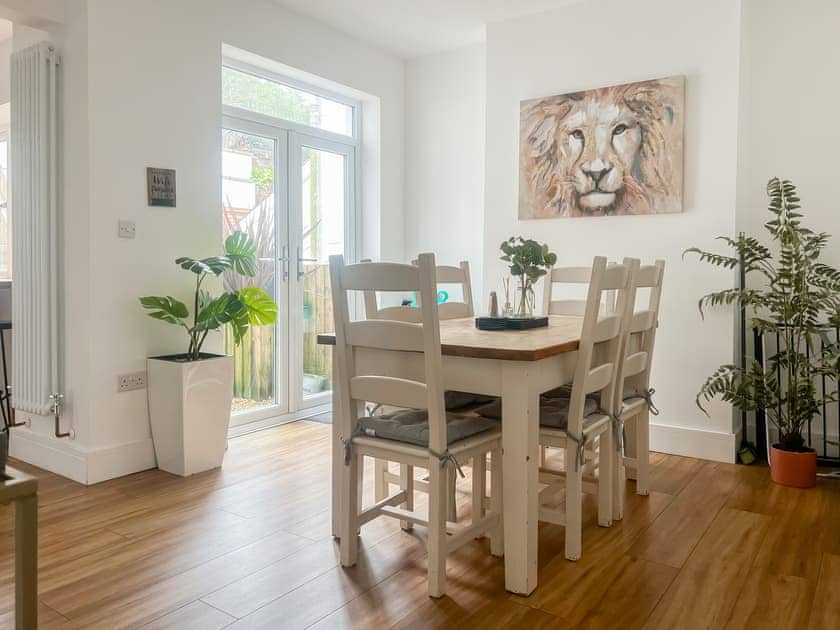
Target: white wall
x: 444, y: 158
x: 5, y: 62
x: 142, y: 80
x: 577, y: 48
x: 789, y: 102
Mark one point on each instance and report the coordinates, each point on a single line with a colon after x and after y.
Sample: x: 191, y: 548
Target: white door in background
x: 289, y: 180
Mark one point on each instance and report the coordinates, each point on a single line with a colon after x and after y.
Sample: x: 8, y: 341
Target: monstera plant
x: 249, y: 306
x: 795, y: 297
x: 528, y: 261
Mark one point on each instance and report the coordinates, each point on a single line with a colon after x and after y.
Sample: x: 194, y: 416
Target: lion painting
x: 610, y: 151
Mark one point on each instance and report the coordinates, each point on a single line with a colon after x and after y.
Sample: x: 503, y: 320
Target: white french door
x: 295, y: 194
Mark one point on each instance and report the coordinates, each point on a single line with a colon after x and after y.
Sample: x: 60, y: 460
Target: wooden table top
x: 460, y: 338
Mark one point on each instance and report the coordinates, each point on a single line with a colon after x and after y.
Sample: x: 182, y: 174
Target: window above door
x: 267, y: 95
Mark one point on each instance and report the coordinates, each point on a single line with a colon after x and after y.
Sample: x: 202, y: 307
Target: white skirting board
x: 82, y: 465
x: 88, y: 466
x: 692, y: 442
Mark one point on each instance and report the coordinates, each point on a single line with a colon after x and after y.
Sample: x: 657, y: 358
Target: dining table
x: 518, y: 366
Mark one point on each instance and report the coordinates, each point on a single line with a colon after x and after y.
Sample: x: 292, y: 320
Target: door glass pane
x: 248, y: 205
x: 323, y: 207
x: 270, y: 98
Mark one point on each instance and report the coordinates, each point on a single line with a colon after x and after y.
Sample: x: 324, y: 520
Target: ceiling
x: 410, y: 28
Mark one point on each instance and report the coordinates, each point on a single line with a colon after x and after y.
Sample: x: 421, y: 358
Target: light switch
x: 126, y: 229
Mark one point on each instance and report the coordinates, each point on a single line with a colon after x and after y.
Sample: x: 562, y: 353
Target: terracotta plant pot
x: 791, y: 468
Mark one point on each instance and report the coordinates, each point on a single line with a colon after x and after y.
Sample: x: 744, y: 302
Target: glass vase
x: 524, y: 307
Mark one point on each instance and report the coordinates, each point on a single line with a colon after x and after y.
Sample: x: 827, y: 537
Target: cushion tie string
x: 648, y: 396
x: 618, y: 433
x: 446, y: 458
x: 580, y: 446
x: 348, y: 444
x: 348, y: 449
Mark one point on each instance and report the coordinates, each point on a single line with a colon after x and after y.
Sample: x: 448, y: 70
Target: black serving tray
x: 510, y: 323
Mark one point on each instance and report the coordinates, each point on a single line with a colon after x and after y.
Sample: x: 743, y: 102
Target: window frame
x: 268, y: 75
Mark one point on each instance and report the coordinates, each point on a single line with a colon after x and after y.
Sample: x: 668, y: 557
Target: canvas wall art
x: 609, y: 151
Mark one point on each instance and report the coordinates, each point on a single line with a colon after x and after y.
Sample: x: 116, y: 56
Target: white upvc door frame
x: 282, y: 264
x: 290, y: 139
x: 297, y: 143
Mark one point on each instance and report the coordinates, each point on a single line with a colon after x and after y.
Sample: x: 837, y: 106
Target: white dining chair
x: 451, y: 309
x: 633, y: 392
x: 586, y: 416
x: 570, y: 279
x: 398, y: 364
x: 580, y: 417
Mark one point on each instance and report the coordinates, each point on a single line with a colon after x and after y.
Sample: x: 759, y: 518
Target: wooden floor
x: 249, y: 546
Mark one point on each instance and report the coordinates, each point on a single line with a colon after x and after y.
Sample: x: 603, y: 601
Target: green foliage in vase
x: 794, y: 296
x: 249, y: 306
x: 529, y: 261
x: 527, y: 257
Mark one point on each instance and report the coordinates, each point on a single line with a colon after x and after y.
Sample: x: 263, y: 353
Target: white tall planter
x: 189, y: 409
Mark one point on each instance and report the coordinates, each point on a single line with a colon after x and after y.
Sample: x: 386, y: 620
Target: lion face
x: 601, y: 141
x: 609, y: 151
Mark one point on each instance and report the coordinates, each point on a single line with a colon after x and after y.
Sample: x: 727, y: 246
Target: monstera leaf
x: 258, y: 309
x: 167, y: 309
x: 259, y: 306
x: 217, y: 312
x: 214, y: 265
x: 242, y: 253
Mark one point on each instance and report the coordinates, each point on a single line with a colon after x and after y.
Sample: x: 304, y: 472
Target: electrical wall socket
x: 126, y: 229
x: 128, y: 382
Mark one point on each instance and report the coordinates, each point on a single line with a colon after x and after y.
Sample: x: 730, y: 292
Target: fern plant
x: 242, y: 308
x: 797, y: 297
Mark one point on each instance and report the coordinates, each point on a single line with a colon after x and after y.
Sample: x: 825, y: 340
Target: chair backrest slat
x: 650, y: 275
x: 379, y: 277
x: 606, y: 328
x: 642, y: 321
x: 388, y: 390
x: 598, y: 378
x: 385, y: 334
x: 571, y: 275
x: 395, y: 313
x: 635, y: 364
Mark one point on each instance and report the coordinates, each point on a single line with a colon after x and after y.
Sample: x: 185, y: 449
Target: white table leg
x: 520, y: 443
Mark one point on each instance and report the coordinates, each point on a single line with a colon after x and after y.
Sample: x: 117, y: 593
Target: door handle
x: 300, y: 272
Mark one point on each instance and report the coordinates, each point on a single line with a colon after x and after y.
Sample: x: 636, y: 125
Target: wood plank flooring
x: 249, y: 546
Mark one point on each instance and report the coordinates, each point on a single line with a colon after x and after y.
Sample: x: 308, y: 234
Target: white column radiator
x: 35, y: 351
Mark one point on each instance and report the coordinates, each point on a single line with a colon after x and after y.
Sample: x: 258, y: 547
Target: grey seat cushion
x: 459, y: 400
x: 412, y: 426
x: 631, y: 392
x: 554, y: 412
